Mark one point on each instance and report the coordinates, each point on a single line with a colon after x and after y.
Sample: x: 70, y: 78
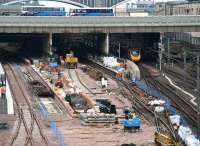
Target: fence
x: 56, y: 132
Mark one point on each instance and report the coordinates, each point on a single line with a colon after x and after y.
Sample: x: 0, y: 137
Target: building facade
x: 181, y: 8
x: 177, y: 8
x: 135, y: 8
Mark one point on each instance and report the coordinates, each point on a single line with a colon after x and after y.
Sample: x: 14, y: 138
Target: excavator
x: 162, y: 138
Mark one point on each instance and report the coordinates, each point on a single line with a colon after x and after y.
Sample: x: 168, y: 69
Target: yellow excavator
x: 163, y: 138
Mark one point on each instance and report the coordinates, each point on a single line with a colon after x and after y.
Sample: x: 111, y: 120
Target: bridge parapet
x: 104, y: 24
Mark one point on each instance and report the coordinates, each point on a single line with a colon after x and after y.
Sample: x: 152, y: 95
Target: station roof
x: 17, y: 2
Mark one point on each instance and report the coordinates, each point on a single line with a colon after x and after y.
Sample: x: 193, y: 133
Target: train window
x: 36, y: 9
x: 83, y: 11
x: 110, y: 11
x: 28, y: 9
x: 135, y: 52
x: 88, y: 11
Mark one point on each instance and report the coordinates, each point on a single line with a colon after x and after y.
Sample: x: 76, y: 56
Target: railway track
x: 138, y: 102
x: 35, y: 76
x: 181, y: 103
x: 188, y: 83
x: 29, y: 129
x: 74, y: 76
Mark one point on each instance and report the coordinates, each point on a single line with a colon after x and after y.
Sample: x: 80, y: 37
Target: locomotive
x: 134, y: 54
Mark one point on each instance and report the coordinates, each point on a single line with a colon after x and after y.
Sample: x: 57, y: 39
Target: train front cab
x: 135, y: 55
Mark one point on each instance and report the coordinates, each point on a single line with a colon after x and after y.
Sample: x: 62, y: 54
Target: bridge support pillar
x: 50, y: 43
x: 47, y: 43
x: 105, y: 44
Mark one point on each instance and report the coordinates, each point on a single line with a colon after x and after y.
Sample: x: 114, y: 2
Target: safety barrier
x: 56, y: 132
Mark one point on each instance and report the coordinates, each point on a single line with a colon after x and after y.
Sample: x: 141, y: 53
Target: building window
x: 187, y: 11
x: 127, y: 7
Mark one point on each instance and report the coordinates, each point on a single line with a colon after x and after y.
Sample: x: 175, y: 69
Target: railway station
x: 99, y: 73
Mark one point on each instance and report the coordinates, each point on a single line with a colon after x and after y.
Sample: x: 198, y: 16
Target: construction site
x: 79, y: 82
x: 63, y: 98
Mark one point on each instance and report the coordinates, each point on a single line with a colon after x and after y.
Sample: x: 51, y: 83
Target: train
x: 42, y: 11
x: 91, y: 12
x: 61, y: 11
x: 134, y: 54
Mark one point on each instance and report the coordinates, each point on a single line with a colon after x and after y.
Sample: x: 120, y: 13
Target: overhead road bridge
x: 26, y: 24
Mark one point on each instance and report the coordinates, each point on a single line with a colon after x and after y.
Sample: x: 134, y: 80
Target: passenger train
x: 61, y: 11
x: 91, y: 12
x: 43, y: 11
x: 134, y: 54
